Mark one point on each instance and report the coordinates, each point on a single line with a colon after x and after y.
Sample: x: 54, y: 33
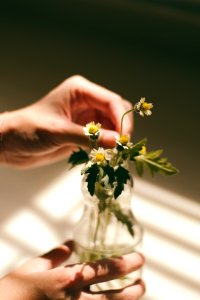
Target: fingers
x: 76, y: 136
x: 49, y: 260
x: 58, y: 255
x: 101, y: 99
x: 132, y: 292
x: 73, y: 280
x: 107, y: 138
x: 103, y: 270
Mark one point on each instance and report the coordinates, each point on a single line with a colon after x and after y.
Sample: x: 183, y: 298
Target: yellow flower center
x: 143, y: 151
x: 146, y: 106
x: 93, y: 129
x: 100, y: 157
x: 123, y: 139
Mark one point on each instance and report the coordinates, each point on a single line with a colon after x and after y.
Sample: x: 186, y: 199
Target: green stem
x: 93, y: 144
x: 107, y: 221
x: 122, y: 119
x: 96, y: 229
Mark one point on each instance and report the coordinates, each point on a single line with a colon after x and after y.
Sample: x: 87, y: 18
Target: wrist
x: 7, y: 125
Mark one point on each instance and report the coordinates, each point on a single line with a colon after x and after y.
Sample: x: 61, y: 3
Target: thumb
x: 107, y: 138
x: 48, y: 260
x: 74, y: 134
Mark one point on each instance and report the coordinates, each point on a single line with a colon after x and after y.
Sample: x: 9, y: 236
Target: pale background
x: 136, y: 48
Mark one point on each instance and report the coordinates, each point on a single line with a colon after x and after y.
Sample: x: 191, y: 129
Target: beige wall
x: 134, y: 49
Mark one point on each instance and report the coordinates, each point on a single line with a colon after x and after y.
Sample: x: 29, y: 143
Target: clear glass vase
x: 107, y: 228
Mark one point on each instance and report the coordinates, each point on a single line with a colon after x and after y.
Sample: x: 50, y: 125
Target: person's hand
x: 49, y: 129
x: 43, y: 279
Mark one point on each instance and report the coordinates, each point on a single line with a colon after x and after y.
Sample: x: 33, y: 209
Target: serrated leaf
x: 154, y: 154
x: 91, y: 179
x: 155, y: 163
x: 124, y: 219
x: 121, y: 177
x: 118, y: 190
x: 110, y: 172
x: 78, y: 157
x: 122, y: 174
x: 160, y: 165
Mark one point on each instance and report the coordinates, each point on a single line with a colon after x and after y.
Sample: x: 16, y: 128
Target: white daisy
x: 92, y: 130
x: 143, y: 107
x: 99, y: 156
x: 123, y: 142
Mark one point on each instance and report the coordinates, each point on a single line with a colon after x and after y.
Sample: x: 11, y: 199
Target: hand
x: 43, y: 279
x: 49, y: 129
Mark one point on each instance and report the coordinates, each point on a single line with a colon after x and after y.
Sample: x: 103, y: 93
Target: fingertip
x: 107, y: 138
x: 142, y: 257
x: 139, y: 258
x: 140, y: 285
x: 134, y: 261
x: 70, y: 244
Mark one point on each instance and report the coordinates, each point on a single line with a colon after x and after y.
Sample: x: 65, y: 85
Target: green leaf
x: 135, y: 149
x: 155, y: 163
x: 124, y: 219
x: 78, y: 157
x: 139, y: 165
x: 121, y: 177
x: 91, y: 179
x: 140, y: 144
x: 160, y: 165
x: 110, y: 172
x: 154, y: 154
x: 118, y: 190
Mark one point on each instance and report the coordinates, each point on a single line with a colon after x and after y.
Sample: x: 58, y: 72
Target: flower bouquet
x: 108, y: 226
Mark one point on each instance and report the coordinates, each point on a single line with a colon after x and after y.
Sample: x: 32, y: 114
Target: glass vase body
x: 100, y: 233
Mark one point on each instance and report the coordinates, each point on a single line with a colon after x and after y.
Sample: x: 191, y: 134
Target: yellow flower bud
x: 143, y: 151
x: 124, y: 139
x: 100, y: 157
x: 146, y: 106
x: 92, y: 129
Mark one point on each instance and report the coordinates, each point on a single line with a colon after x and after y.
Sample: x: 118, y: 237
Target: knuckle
x: 127, y: 104
x: 118, y: 98
x: 76, y: 78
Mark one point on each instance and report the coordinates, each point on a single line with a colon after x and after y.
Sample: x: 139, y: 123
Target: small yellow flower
x: 147, y: 106
x: 123, y: 142
x: 143, y: 151
x: 124, y: 139
x: 92, y: 130
x: 143, y: 107
x: 100, y: 157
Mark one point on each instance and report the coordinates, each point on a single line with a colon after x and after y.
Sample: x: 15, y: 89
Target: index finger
x: 98, y: 97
